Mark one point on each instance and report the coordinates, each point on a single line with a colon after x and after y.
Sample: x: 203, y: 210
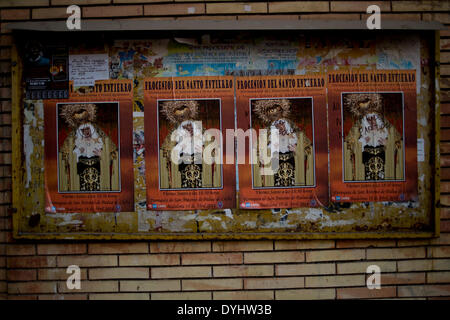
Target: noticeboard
x: 356, y: 136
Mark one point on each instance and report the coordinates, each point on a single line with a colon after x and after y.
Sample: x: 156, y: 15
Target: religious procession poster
x: 373, y: 135
x: 286, y: 164
x: 89, y: 149
x: 186, y: 120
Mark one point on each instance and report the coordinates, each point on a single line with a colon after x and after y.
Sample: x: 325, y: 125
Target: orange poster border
x: 365, y: 81
x: 289, y: 197
x: 120, y: 91
x: 183, y: 88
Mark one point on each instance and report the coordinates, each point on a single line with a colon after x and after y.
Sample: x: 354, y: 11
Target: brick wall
x: 322, y: 269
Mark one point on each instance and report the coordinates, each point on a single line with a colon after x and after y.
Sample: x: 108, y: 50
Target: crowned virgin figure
x: 373, y: 148
x: 289, y: 149
x: 182, y: 157
x: 88, y: 158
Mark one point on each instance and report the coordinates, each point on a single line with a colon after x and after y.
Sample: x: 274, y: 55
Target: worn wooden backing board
x: 228, y: 53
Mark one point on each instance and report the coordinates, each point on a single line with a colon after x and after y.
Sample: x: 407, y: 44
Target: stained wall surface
x: 269, y: 269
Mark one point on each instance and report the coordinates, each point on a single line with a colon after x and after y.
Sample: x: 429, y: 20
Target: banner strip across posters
x: 297, y: 141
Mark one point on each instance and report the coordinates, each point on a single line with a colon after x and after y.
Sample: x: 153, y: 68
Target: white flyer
x: 84, y: 69
x: 420, y: 150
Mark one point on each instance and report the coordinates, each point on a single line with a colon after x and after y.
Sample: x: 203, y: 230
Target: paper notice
x: 84, y: 69
x: 420, y: 150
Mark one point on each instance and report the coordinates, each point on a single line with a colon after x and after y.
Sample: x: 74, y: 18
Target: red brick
x: 24, y: 3
x: 198, y: 295
x: 211, y: 284
x: 441, y: 17
x: 261, y: 17
x: 262, y: 245
x: 445, y: 71
x: 429, y: 5
x: 331, y: 16
x: 32, y: 287
x: 335, y: 255
x: 81, y: 2
x: 5, y: 224
x: 444, y: 238
x: 364, y: 293
x: 361, y: 267
x: 298, y: 6
x: 445, y: 57
x: 122, y: 247
x: 21, y: 275
x: 5, y: 158
x: 31, y: 262
x: 386, y: 16
x: 5, y: 67
x: 5, y: 106
x: 272, y: 257
x: 173, y: 9
x: 112, y: 11
x: 243, y: 271
x: 364, y: 243
x: 440, y: 264
x: 305, y: 294
x: 358, y: 6
x: 396, y: 253
x: 87, y: 261
x: 439, y: 252
x: 402, y: 278
x: 305, y: 269
x: 4, y: 28
x: 5, y: 93
x: 236, y: 7
x: 59, y: 249
x: 65, y: 296
x: 49, y: 13
x: 445, y: 108
x: 198, y: 18
x: 438, y: 277
x: 177, y: 246
x: 5, y: 145
x: 445, y: 199
x: 15, y: 14
x: 303, y: 244
x: 445, y: 84
x: 58, y: 274
x: 181, y: 272
x: 445, y: 94
x: 424, y: 291
x: 119, y: 296
x: 119, y: 273
x: 335, y: 281
x: 445, y: 226
x: 211, y: 258
x: 274, y: 283
x: 149, y: 260
x: 147, y: 1
x: 21, y: 249
x: 91, y: 286
x: 413, y: 242
x: 22, y: 297
x: 149, y: 285
x: 244, y: 295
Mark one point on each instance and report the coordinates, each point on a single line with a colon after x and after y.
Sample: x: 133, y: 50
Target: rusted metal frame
x: 437, y: 137
x: 17, y: 164
x: 17, y: 141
